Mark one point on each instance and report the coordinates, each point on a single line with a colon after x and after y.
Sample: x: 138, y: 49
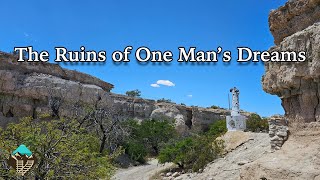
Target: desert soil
x: 143, y: 172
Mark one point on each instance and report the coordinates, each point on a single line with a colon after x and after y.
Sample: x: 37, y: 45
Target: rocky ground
x: 243, y: 147
x: 299, y: 158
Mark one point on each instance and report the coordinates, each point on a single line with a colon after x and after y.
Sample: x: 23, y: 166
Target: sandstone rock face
x: 294, y: 16
x: 130, y: 108
x: 202, y: 118
x: 8, y: 62
x: 295, y: 27
x: 297, y: 83
x: 28, y: 95
x: 173, y: 112
x: 188, y: 118
x: 34, y: 89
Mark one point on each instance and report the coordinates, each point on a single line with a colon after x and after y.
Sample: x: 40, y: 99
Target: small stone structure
x: 278, y: 131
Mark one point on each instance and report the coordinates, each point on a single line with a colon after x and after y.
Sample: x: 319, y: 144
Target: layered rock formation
x: 295, y: 27
x: 296, y: 83
x: 294, y: 16
x: 33, y: 89
x: 8, y: 62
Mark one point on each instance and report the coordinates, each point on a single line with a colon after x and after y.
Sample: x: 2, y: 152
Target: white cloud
x: 26, y: 34
x: 189, y: 96
x: 155, y: 85
x: 165, y: 83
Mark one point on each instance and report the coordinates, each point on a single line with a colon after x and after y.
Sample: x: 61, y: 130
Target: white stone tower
x: 235, y: 102
x: 236, y: 121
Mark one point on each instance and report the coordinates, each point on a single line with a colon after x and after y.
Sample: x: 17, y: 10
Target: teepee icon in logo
x: 22, y: 160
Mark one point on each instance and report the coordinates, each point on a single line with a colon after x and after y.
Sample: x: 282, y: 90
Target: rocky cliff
x: 296, y: 27
x: 186, y: 118
x: 33, y: 89
x: 294, y: 16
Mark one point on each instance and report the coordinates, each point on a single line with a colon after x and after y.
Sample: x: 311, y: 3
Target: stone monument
x: 235, y: 121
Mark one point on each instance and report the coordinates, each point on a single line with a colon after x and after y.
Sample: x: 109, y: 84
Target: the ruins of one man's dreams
x: 28, y: 89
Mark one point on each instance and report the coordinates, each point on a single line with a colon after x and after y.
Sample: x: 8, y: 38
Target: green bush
x: 147, y: 138
x: 215, y: 107
x: 176, y: 153
x: 63, y: 150
x: 192, y: 153
x: 136, y: 151
x: 218, y: 128
x: 196, y: 151
x: 256, y: 124
x: 134, y: 93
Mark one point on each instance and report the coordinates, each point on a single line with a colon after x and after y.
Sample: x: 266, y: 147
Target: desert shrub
x: 196, y: 151
x: 164, y: 100
x: 154, y: 133
x: 136, y: 151
x: 63, y: 150
x: 215, y: 107
x: 147, y: 138
x: 192, y: 152
x: 256, y: 124
x: 176, y: 152
x: 218, y: 128
x: 134, y: 93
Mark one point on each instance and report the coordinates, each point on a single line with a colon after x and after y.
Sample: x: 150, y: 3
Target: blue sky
x: 159, y: 25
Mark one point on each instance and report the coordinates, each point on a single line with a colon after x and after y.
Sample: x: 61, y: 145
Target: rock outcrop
x: 295, y: 27
x: 33, y: 89
x: 294, y: 16
x: 9, y: 62
x: 296, y: 83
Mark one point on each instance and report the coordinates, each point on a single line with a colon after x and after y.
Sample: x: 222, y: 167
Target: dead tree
x: 54, y: 102
x: 106, y: 123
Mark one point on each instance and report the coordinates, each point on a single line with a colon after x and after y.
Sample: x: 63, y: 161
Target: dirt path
x: 143, y: 172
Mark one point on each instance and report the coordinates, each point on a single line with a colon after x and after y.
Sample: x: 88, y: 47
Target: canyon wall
x: 295, y: 27
x: 34, y: 89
